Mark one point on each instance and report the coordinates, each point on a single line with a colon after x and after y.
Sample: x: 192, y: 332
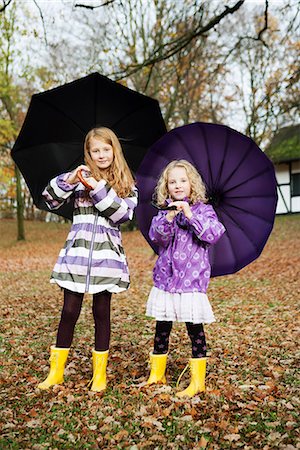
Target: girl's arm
x: 117, y: 209
x: 161, y: 230
x: 58, y: 191
x: 206, y: 225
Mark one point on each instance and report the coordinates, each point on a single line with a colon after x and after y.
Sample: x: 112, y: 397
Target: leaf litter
x: 252, y: 397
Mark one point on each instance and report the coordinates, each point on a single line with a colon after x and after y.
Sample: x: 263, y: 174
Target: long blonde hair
x: 118, y: 174
x: 198, y: 190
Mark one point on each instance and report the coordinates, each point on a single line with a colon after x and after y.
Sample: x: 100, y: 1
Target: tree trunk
x: 20, y: 206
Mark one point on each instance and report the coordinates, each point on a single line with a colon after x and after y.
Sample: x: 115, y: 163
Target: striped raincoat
x: 92, y: 259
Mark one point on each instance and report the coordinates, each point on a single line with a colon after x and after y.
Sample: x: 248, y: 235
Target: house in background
x: 284, y: 152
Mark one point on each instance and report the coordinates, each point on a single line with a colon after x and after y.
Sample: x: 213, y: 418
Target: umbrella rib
x: 207, y: 152
x: 237, y: 224
x: 229, y: 241
x: 248, y: 179
x: 244, y: 157
x: 147, y: 102
x: 245, y: 211
x: 224, y: 157
x: 179, y: 138
x: 251, y: 196
x: 61, y: 112
x: 95, y: 100
x: 134, y: 111
x: 125, y: 116
x: 144, y: 163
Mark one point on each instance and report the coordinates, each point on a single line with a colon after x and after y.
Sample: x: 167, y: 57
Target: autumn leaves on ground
x: 251, y: 402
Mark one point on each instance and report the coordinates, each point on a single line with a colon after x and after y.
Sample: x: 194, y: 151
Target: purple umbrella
x: 240, y: 181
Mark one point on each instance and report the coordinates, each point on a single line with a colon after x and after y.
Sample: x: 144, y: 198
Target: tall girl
x: 92, y: 259
x: 182, y: 271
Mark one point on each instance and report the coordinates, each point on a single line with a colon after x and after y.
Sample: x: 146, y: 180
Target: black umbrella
x: 240, y: 182
x: 51, y: 139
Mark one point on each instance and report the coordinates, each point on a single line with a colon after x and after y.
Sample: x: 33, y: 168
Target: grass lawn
x: 252, y: 397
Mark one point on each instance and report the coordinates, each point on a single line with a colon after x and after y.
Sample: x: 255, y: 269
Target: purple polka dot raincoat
x: 183, y: 263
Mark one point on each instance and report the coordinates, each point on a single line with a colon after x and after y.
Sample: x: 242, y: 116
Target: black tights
x: 195, y: 332
x: 71, y: 311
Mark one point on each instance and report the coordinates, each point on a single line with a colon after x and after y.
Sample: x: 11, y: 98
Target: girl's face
x: 101, y: 153
x: 179, y: 185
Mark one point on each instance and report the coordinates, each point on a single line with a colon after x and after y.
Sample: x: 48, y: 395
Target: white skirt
x: 191, y: 307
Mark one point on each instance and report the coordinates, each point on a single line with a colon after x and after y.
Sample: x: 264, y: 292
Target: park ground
x: 252, y: 397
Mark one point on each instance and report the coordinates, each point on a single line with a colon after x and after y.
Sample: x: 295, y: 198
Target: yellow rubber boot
x: 58, y: 358
x: 99, y: 371
x: 197, y: 384
x: 158, y: 364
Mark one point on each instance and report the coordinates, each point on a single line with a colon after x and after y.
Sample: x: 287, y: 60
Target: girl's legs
x: 71, y: 311
x: 197, y: 336
x: 59, y: 353
x: 69, y: 317
x: 197, y: 362
x: 101, y: 313
x: 161, y: 339
x: 158, y: 359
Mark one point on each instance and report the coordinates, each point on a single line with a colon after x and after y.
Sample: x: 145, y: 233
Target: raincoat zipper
x: 88, y: 275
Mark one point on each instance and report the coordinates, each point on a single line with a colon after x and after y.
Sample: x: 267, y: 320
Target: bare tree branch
x: 294, y: 78
x: 5, y: 5
x: 42, y: 17
x: 171, y: 48
x: 243, y: 38
x: 79, y: 5
x: 266, y: 24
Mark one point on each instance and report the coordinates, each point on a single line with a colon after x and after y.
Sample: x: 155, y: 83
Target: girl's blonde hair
x: 198, y: 190
x: 118, y: 174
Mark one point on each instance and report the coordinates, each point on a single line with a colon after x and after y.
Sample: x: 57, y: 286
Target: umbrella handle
x: 83, y: 181
x: 164, y: 208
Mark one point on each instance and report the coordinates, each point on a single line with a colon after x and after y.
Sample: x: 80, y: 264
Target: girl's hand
x: 182, y: 206
x: 90, y: 181
x: 73, y: 177
x: 171, y: 214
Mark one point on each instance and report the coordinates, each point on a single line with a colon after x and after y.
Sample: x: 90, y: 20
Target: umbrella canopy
x: 240, y: 181
x: 51, y: 139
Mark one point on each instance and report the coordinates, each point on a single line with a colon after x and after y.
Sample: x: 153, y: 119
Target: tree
x: 201, y: 60
x: 266, y: 76
x: 178, y: 42
x: 172, y: 51
x: 9, y: 100
x: 17, y: 80
x: 186, y: 83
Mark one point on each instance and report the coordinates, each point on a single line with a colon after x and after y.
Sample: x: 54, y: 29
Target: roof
x: 285, y: 145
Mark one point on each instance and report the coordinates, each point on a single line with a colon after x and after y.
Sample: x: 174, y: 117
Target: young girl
x: 182, y: 271
x: 93, y: 258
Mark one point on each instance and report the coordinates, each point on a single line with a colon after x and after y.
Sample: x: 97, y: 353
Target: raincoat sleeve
x: 161, y: 230
x: 114, y: 208
x: 206, y: 225
x: 58, y: 191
